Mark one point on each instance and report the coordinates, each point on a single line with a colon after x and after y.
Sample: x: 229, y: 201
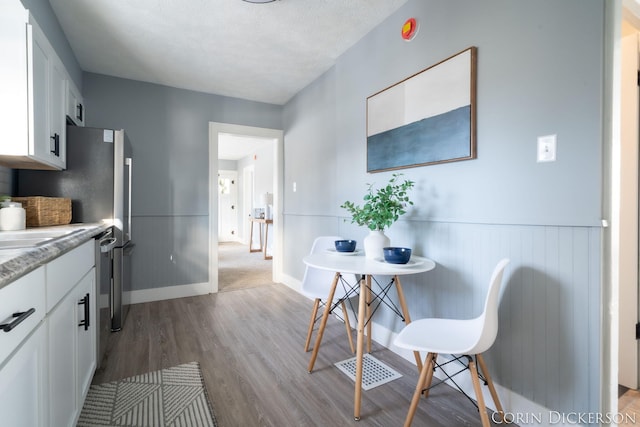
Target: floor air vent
x: 374, y: 372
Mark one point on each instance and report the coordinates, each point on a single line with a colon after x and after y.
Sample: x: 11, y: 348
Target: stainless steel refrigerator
x: 98, y: 181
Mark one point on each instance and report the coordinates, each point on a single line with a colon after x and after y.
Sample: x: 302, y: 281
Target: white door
x: 628, y: 369
x: 227, y: 206
x: 247, y: 200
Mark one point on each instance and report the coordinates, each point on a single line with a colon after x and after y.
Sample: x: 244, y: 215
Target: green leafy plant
x: 383, y: 206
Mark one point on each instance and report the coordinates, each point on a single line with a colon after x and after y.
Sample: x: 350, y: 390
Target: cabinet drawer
x: 64, y: 272
x: 21, y: 296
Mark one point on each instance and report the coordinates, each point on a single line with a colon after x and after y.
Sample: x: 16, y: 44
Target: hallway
x: 239, y: 269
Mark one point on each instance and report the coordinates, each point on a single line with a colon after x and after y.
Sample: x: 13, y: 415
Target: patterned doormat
x: 374, y: 372
x: 171, y: 397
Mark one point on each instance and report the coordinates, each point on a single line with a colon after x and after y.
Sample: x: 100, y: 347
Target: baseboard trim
x: 168, y: 292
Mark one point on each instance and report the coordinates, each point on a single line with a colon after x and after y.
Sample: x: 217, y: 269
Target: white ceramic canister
x: 12, y: 217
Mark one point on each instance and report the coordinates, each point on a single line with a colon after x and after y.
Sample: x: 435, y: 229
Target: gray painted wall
x: 168, y: 130
x: 539, y: 73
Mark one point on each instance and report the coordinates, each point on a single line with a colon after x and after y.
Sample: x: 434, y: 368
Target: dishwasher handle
x: 106, y: 245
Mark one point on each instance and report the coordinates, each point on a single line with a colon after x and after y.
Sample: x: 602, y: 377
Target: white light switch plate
x: 547, y: 148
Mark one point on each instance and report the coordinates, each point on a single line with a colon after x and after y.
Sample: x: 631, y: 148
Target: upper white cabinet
x: 34, y: 87
x: 75, y: 104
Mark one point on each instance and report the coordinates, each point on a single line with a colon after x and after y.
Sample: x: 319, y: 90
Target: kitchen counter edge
x: 15, y: 263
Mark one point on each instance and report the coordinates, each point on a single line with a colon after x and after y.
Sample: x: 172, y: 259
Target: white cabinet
x: 32, y: 111
x: 86, y: 347
x: 75, y: 105
x: 72, y: 332
x: 23, y: 355
x: 48, y: 341
x: 23, y: 382
x: 72, y: 352
x: 62, y: 378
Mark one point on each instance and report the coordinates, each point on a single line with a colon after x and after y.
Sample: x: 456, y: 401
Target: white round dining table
x: 356, y: 263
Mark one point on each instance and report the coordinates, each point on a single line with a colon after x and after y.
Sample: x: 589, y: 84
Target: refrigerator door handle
x: 129, y: 162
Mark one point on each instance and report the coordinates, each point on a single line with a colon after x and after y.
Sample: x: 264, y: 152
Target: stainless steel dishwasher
x: 105, y: 242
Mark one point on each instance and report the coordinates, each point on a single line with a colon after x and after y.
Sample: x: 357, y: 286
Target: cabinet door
x: 33, y: 88
x: 14, y: 108
x: 39, y: 144
x: 62, y: 361
x: 75, y: 104
x: 86, y: 330
x: 23, y: 383
x: 57, y: 120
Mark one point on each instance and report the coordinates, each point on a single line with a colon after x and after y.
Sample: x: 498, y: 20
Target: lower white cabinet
x: 23, y: 352
x: 48, y: 341
x: 72, y: 334
x: 62, y: 337
x: 23, y: 383
x: 72, y: 351
x: 86, y: 347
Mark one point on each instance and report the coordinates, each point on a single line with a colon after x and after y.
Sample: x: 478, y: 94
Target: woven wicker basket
x: 43, y: 211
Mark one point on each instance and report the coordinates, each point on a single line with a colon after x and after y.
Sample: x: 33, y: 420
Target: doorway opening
x: 245, y: 171
x: 629, y: 187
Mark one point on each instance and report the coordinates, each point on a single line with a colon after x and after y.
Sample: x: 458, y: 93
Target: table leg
x: 266, y: 240
x: 250, y: 235
x: 323, y: 323
x: 251, y: 238
x: 407, y: 318
x: 359, y: 347
x: 260, y: 236
x: 368, y: 316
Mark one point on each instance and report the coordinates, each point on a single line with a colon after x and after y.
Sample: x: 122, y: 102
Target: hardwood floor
x: 249, y: 344
x: 629, y: 403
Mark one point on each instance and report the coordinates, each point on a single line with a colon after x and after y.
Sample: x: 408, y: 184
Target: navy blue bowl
x: 345, y: 245
x: 394, y: 255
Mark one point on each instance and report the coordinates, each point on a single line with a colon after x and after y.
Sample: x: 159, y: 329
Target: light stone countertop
x: 16, y: 262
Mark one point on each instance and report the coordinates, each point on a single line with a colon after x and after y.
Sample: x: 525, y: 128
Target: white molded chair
x: 465, y: 339
x: 317, y: 283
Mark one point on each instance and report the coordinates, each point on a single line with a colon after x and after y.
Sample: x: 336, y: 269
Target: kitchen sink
x: 32, y: 238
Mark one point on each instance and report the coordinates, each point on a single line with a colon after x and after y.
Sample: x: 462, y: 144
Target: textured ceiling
x: 261, y: 52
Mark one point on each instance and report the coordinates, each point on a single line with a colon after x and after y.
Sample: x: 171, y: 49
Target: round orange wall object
x: 409, y: 28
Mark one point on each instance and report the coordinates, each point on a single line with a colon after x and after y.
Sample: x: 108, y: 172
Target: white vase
x: 374, y: 242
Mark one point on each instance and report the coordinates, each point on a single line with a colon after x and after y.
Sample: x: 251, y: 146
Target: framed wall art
x: 428, y: 118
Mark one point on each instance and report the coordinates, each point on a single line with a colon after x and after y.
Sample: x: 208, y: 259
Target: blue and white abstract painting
x: 426, y: 119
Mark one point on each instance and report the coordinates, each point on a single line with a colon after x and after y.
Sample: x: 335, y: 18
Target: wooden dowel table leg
x: 323, y: 323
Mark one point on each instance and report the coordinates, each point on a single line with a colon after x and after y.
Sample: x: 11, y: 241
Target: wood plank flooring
x: 249, y: 344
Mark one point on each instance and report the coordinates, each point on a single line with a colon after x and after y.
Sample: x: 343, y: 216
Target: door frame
x: 215, y: 129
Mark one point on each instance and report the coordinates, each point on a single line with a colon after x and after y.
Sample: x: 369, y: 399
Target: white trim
x: 291, y: 282
x: 278, y: 177
x: 168, y: 292
x: 158, y: 294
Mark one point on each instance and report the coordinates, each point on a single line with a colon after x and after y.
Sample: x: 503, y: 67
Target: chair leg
x: 427, y: 371
x: 431, y: 361
x: 347, y: 325
x: 314, y: 313
x: 492, y: 389
x: 482, y: 408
